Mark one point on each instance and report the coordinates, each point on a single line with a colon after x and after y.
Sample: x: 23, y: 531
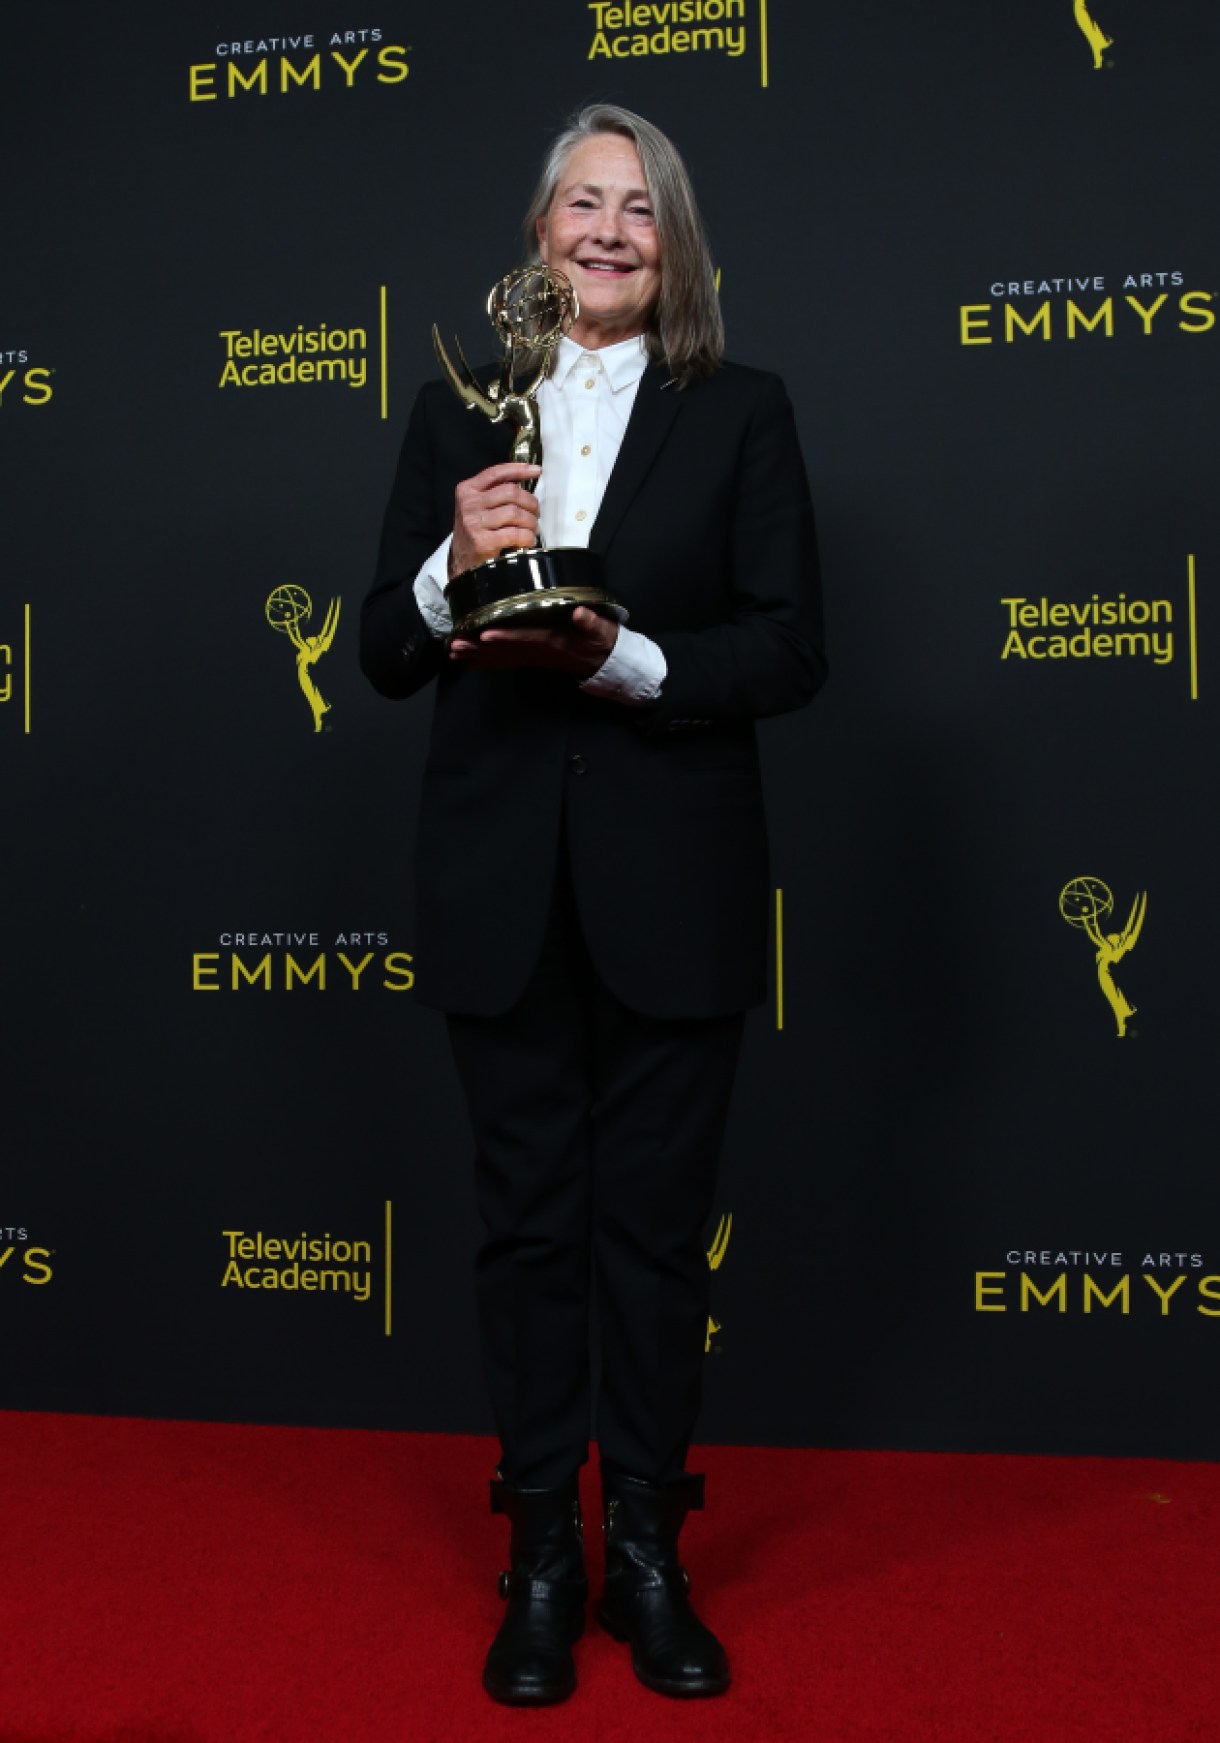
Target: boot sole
x: 658, y: 1684
x: 532, y: 1698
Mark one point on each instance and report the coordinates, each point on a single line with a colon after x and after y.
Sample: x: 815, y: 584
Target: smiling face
x: 600, y: 231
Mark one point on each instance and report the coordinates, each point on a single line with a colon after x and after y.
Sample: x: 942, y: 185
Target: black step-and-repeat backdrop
x: 969, y: 1198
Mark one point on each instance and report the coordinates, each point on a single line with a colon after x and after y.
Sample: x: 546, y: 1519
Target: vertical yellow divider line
x: 385, y: 387
x: 388, y: 1215
x: 1194, y: 630
x: 762, y: 34
x: 27, y: 668
x: 779, y: 959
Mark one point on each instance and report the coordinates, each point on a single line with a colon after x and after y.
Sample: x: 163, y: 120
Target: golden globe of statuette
x: 530, y: 309
x: 1085, y: 901
x: 532, y: 306
x: 287, y: 605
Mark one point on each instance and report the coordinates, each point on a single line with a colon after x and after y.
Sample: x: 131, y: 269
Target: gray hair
x: 686, y: 329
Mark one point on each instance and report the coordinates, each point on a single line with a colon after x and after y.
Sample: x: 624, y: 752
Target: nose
x: 608, y: 231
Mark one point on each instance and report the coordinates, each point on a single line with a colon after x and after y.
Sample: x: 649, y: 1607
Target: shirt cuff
x: 430, y: 591
x: 633, y: 671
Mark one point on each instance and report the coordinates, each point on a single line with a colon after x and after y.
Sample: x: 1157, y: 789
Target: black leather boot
x: 647, y: 1589
x: 530, y: 1661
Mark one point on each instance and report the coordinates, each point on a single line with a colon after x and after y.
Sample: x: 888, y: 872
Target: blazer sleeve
x: 766, y: 655
x: 398, y: 652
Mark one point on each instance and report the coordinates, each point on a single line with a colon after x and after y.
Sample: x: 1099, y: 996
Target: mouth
x: 608, y: 268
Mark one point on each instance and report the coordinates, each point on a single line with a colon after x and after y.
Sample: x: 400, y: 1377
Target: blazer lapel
x: 652, y: 416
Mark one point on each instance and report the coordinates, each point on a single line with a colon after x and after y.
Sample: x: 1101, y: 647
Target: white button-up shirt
x: 583, y: 408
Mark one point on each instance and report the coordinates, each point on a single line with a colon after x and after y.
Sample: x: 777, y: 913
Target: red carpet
x: 187, y: 1583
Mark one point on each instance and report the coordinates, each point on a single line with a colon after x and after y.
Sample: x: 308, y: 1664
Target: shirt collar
x: 623, y: 363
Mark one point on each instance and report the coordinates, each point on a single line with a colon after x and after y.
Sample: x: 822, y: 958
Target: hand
x: 492, y: 511
x: 582, y: 646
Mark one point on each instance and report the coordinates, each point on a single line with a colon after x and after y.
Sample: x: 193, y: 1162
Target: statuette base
x: 533, y: 588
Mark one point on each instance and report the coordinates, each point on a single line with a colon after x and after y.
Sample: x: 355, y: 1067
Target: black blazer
x: 707, y: 532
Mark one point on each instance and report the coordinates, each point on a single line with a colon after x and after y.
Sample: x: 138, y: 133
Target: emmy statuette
x: 531, y: 308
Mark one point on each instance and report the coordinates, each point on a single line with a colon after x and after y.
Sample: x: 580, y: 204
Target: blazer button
x: 579, y: 765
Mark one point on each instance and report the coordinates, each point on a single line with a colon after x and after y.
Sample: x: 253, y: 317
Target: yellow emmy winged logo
x: 715, y: 1258
x: 1098, y: 41
x: 1085, y: 903
x: 288, y: 607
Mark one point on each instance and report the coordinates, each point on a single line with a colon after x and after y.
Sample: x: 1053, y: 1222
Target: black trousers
x: 598, y: 1134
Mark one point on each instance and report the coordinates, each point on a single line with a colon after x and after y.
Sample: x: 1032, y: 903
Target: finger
x: 523, y: 637
x: 595, y: 630
x: 519, y: 658
x: 509, y: 471
x: 560, y: 641
x: 489, y: 544
x: 498, y: 493
x: 501, y: 514
x: 510, y: 643
x: 485, y: 658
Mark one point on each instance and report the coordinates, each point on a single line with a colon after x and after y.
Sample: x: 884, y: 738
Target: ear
x: 540, y: 232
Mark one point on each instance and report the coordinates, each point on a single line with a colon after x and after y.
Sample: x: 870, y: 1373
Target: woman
x: 592, y: 871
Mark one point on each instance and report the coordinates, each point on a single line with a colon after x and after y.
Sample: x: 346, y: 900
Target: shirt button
x: 591, y: 382
x: 586, y: 449
x: 579, y: 765
x: 580, y: 514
